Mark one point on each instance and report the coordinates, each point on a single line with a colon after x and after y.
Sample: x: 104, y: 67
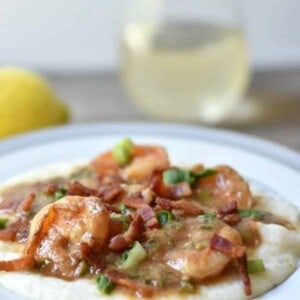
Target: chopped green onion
x: 60, y: 194
x: 251, y: 213
x: 120, y: 218
x: 122, y: 151
x: 164, y: 217
x: 174, y: 176
x: 123, y: 208
x: 104, y: 285
x: 134, y: 256
x: 255, y: 266
x: 186, y: 286
x: 208, y: 220
x: 205, y: 173
x: 3, y: 223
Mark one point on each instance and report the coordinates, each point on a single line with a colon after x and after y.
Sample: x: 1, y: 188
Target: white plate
x: 273, y: 167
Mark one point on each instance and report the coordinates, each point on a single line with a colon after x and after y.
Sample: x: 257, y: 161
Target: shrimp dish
x: 129, y: 224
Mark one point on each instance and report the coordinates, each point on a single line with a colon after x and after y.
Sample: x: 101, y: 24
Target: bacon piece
x: 77, y: 189
x: 121, y: 279
x: 93, y: 259
x: 148, y: 215
x: 229, y: 213
x: 19, y: 264
x: 134, y: 202
x: 122, y: 241
x: 226, y: 247
x: 50, y: 189
x: 174, y: 191
x: 228, y: 208
x: 231, y: 219
x: 26, y: 204
x: 107, y: 192
x: 17, y: 231
x: 186, y: 206
x: 242, y: 267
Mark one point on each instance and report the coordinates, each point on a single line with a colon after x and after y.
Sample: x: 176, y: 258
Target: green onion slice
x: 60, y: 194
x: 3, y: 223
x: 174, y: 176
x: 205, y: 173
x: 164, y: 217
x: 123, y: 151
x: 123, y: 208
x: 133, y: 257
x: 251, y: 213
x: 255, y: 266
x: 104, y: 285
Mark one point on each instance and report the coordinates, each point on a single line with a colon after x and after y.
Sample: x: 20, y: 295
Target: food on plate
x: 129, y: 223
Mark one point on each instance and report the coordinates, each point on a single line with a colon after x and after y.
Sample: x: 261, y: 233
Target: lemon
x: 27, y: 102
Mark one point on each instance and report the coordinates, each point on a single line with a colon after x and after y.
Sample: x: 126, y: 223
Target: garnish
x: 251, y: 213
x: 164, y: 217
x: 123, y: 208
x: 60, y: 194
x: 104, y: 285
x: 208, y: 220
x: 133, y: 257
x: 123, y: 151
x: 255, y: 266
x: 3, y: 223
x: 174, y: 176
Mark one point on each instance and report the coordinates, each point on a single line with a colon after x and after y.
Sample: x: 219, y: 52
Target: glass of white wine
x: 185, y: 60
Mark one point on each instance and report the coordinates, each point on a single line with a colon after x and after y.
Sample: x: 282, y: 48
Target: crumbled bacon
x: 134, y: 202
x: 93, y: 259
x: 122, y: 241
x: 226, y: 247
x: 107, y: 192
x: 148, y: 215
x: 121, y: 279
x: 50, y: 189
x: 228, y: 208
x: 187, y: 207
x: 229, y: 213
x: 26, y: 204
x: 242, y: 267
x: 17, y: 231
x: 77, y: 189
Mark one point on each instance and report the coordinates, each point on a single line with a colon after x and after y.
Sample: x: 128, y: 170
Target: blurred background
x: 225, y: 63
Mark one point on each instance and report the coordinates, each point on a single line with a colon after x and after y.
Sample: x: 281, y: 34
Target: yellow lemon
x: 27, y: 102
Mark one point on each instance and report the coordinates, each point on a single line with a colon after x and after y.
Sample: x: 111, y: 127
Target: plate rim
x: 252, y: 144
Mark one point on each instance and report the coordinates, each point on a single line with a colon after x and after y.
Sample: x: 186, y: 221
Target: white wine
x: 192, y: 72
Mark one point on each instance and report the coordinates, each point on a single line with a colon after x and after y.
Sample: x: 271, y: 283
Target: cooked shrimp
x: 199, y: 264
x: 58, y: 231
x: 226, y: 186
x: 145, y: 160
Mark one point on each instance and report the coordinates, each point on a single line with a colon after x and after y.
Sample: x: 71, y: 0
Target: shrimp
x: 145, y: 160
x: 60, y: 229
x: 226, y: 186
x: 205, y: 262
